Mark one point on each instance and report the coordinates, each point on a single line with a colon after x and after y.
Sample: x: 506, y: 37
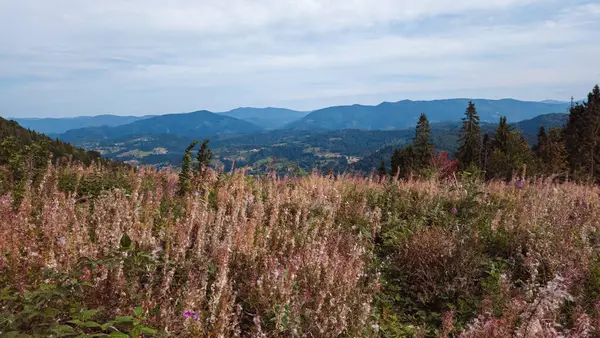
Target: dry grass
x: 316, y: 256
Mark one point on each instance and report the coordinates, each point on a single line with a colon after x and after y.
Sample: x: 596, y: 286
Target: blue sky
x: 72, y: 58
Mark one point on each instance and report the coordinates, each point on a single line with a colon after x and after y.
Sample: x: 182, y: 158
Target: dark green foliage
x: 511, y: 158
x: 403, y: 162
x: 502, y: 134
x: 416, y: 157
x: 487, y: 147
x: 55, y: 307
x: 470, y: 141
x: 23, y: 137
x: 204, y: 156
x: 382, y: 171
x: 582, y: 138
x: 185, y: 182
x: 551, y: 151
x: 422, y: 145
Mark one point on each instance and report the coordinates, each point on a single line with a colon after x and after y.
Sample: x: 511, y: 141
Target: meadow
x: 91, y: 251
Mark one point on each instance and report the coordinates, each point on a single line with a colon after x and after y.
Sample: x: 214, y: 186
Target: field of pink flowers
x: 92, y: 252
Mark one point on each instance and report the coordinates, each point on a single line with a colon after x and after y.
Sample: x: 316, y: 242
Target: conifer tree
x: 582, y: 137
x: 382, y: 171
x: 204, y: 156
x: 502, y: 134
x: 592, y: 133
x: 185, y: 183
x: 403, y: 162
x: 487, y: 148
x: 511, y: 154
x: 554, y: 155
x: 469, y: 151
x: 423, y: 148
x: 542, y: 143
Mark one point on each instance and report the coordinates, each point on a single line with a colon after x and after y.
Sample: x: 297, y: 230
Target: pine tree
x: 582, y: 137
x: 551, y: 151
x: 514, y: 160
x: 469, y: 151
x: 185, y: 183
x: 555, y: 157
x: 423, y: 148
x: 404, y: 162
x: 511, y: 154
x: 382, y: 171
x: 592, y: 133
x: 573, y: 135
x: 502, y: 134
x: 204, y: 156
x: 487, y: 148
x: 542, y: 143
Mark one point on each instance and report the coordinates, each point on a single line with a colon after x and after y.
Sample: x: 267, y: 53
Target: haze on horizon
x: 72, y: 58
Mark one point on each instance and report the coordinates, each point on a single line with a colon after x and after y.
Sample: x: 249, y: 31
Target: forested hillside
x: 566, y: 149
x: 16, y: 139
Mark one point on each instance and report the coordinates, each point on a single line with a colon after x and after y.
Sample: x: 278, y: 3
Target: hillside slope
x: 404, y: 114
x: 61, y: 125
x: 20, y: 138
x: 200, y: 124
x: 267, y: 118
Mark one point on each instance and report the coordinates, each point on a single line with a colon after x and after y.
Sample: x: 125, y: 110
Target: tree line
x: 572, y: 150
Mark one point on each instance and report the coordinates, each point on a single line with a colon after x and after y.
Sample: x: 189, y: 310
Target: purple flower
x: 61, y: 241
x: 190, y: 314
x: 454, y: 210
x: 520, y: 184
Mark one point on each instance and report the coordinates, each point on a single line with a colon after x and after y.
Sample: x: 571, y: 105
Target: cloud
x: 69, y: 57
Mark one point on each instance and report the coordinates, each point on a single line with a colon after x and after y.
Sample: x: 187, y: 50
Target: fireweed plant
x: 90, y: 252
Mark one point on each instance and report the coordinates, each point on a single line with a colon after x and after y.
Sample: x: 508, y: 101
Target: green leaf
x: 125, y: 241
x: 84, y: 324
x: 118, y: 335
x: 149, y: 330
x: 138, y: 311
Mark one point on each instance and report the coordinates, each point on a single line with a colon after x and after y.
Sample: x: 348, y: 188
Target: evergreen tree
x: 403, y: 162
x: 514, y: 159
x: 542, y: 142
x: 554, y: 157
x: 422, y: 146
x: 185, y: 182
x: 591, y: 143
x: 582, y: 137
x: 470, y: 147
x: 573, y: 135
x: 382, y: 171
x: 502, y: 134
x: 487, y: 148
x: 204, y: 156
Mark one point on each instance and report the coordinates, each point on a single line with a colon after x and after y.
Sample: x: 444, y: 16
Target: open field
x: 108, y: 251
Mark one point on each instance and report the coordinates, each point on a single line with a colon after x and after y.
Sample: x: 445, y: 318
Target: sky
x: 64, y: 58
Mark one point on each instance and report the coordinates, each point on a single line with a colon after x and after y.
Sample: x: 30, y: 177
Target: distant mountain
x: 532, y: 126
x: 61, y: 125
x: 267, y: 118
x: 285, y: 149
x: 404, y: 114
x: 200, y: 124
x: 554, y: 102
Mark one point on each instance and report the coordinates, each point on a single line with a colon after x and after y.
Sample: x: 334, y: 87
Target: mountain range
x: 404, y: 114
x: 346, y: 137
x: 385, y: 116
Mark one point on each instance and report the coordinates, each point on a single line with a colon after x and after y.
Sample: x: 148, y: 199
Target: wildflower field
x: 92, y: 251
